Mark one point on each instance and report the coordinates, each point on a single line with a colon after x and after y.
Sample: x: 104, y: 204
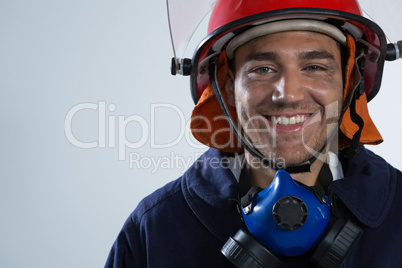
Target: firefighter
x: 281, y: 91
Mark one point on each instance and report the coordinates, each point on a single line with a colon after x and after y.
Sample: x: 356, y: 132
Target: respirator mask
x: 289, y: 219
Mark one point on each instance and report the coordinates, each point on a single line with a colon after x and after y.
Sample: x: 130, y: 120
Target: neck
x: 262, y: 176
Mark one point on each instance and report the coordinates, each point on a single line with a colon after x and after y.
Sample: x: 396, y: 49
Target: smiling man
x: 287, y: 181
x: 289, y: 84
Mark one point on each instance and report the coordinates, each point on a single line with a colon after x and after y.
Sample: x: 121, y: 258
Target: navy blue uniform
x: 186, y: 222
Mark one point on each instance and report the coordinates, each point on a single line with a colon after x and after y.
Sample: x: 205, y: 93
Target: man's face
x: 287, y: 89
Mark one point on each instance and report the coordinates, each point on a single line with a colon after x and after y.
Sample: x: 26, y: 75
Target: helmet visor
x: 185, y: 17
x: 386, y: 14
x: 188, y: 21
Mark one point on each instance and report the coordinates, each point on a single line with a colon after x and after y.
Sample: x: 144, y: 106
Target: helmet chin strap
x: 245, y: 140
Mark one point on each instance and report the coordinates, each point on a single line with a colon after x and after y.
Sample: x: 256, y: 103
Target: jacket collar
x: 208, y: 186
x: 368, y: 187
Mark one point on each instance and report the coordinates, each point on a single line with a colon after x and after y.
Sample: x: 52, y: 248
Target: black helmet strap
x: 354, y: 116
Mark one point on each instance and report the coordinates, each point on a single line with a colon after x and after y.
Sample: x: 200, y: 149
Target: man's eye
x: 315, y: 68
x: 263, y: 70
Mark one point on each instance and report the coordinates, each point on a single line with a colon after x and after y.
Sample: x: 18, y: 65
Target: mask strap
x: 247, y: 192
x: 325, y: 179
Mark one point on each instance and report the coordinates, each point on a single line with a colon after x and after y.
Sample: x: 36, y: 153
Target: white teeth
x: 292, y: 120
x: 297, y: 119
x: 286, y: 121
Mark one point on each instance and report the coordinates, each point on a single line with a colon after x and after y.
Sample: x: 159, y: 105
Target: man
x: 293, y: 80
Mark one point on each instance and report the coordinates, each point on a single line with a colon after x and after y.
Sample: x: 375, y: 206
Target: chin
x: 290, y: 157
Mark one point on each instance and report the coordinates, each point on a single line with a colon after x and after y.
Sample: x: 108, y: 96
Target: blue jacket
x: 186, y: 222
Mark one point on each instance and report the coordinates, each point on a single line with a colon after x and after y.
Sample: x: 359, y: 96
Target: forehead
x: 290, y: 42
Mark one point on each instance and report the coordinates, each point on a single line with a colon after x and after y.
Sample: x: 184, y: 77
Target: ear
x: 229, y: 88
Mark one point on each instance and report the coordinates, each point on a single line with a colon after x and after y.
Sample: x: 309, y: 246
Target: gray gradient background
x: 60, y: 205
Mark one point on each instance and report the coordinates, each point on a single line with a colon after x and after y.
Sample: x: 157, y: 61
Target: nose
x: 288, y: 89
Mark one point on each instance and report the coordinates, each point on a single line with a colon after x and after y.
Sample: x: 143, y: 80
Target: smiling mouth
x: 289, y: 120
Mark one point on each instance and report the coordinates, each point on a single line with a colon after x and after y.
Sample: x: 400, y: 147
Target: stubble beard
x: 274, y: 146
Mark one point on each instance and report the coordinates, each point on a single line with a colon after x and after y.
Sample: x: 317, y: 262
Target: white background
x: 63, y: 206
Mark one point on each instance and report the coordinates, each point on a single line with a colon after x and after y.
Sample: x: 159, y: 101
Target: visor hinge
x: 181, y: 66
x: 394, y: 51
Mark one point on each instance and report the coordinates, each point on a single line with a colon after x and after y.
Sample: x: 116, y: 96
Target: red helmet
x: 231, y: 17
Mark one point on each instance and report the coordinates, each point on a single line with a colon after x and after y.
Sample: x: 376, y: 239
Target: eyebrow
x: 316, y: 54
x: 272, y: 56
x: 263, y: 56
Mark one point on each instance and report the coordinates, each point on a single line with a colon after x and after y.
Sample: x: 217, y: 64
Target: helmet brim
x: 216, y: 41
